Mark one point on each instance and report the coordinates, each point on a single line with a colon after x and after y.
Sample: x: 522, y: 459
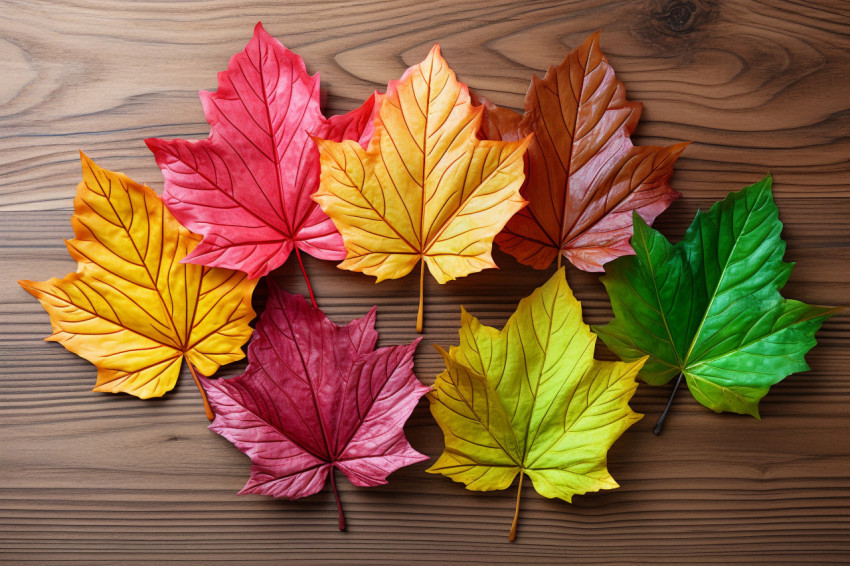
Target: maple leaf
x: 709, y: 307
x: 584, y: 176
x: 426, y: 189
x: 247, y: 187
x: 531, y: 400
x: 317, y: 396
x: 131, y: 308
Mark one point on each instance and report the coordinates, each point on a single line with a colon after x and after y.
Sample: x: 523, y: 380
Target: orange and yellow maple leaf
x: 426, y: 189
x: 131, y: 308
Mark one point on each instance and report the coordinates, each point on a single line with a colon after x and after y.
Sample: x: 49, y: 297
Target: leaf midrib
x: 531, y: 413
x: 272, y: 136
x: 154, y: 283
x: 425, y: 136
x: 329, y: 453
x: 421, y: 250
x: 658, y: 300
x: 761, y: 337
x: 720, y: 279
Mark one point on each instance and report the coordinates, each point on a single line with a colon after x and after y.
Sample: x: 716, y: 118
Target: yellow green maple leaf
x: 532, y: 400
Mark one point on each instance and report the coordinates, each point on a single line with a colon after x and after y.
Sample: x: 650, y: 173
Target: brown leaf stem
x: 307, y: 279
x: 336, y: 496
x: 660, y: 423
x: 207, y: 407
x: 512, y: 534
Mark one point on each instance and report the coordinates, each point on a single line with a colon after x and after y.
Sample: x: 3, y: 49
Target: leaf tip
x: 443, y: 353
x: 639, y: 363
x: 465, y: 317
x: 678, y: 148
x: 86, y: 161
x: 592, y: 42
x: 639, y: 225
x: 151, y: 143
x: 751, y: 409
x: 524, y: 142
x: 261, y: 34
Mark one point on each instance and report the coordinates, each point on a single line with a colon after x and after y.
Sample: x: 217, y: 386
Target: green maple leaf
x: 531, y: 400
x: 709, y: 309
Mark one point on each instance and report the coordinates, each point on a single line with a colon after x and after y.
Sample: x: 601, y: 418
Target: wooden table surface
x: 758, y: 85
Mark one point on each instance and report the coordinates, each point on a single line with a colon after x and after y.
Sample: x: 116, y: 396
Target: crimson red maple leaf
x: 317, y: 396
x: 247, y: 187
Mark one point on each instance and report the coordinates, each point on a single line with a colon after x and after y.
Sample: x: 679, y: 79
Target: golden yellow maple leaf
x: 426, y: 189
x: 131, y: 308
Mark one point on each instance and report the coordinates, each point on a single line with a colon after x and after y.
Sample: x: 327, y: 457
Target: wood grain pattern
x: 759, y: 85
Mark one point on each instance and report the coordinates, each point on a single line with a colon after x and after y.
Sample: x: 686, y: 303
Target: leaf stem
x: 512, y: 535
x: 421, y: 315
x: 660, y: 423
x: 307, y: 279
x: 336, y: 496
x: 207, y: 408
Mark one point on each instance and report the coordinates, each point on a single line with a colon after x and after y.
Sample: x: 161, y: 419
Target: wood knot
x: 678, y: 16
x: 669, y: 21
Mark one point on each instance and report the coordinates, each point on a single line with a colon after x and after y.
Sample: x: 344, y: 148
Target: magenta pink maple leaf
x: 247, y: 187
x: 317, y: 396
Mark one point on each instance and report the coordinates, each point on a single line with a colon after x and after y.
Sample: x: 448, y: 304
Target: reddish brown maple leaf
x: 584, y: 176
x: 317, y: 396
x: 247, y: 187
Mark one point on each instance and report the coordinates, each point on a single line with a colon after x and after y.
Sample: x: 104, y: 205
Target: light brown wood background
x: 95, y: 478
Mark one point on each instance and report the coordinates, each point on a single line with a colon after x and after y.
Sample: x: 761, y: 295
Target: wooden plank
x: 91, y: 478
